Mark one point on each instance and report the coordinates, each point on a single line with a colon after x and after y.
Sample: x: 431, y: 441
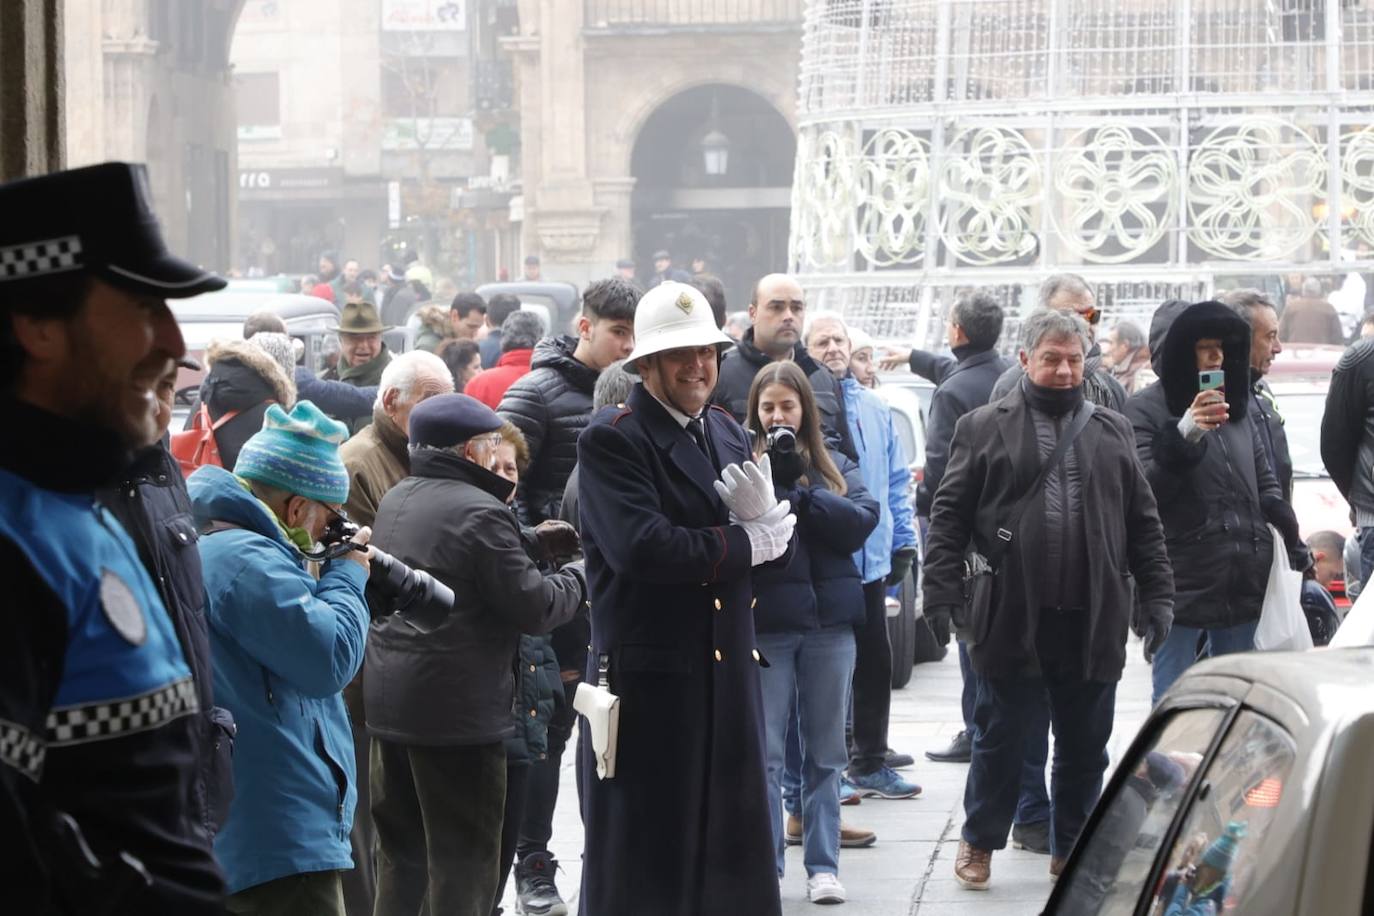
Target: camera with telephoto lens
x: 421, y: 600
x: 782, y: 440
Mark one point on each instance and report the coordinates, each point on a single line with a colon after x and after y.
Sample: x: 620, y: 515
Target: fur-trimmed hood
x: 230, y: 367
x: 435, y: 318
x: 1174, y: 332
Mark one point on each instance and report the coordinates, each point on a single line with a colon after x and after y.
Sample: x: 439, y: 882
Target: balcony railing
x: 632, y: 15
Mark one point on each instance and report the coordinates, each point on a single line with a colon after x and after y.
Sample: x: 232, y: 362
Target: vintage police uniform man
x: 97, y: 703
x: 671, y: 598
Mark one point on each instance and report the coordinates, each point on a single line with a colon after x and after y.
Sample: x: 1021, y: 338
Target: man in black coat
x: 962, y: 384
x: 682, y: 829
x: 1216, y: 492
x: 1348, y: 441
x: 550, y: 405
x: 1263, y: 317
x: 1062, y: 599
x: 151, y: 503
x: 439, y: 704
x: 1071, y: 293
x: 778, y: 311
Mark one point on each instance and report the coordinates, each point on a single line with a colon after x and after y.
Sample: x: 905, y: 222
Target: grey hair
x: 521, y: 331
x: 1244, y: 302
x: 1312, y: 288
x: 1130, y: 334
x: 822, y: 318
x: 403, y: 373
x: 980, y: 315
x: 1048, y: 324
x: 1063, y: 283
x: 613, y: 386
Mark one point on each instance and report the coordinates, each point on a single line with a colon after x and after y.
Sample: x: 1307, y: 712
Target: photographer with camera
x: 284, y: 644
x: 439, y: 703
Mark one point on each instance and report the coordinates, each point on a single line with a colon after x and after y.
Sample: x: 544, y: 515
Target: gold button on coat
x: 756, y: 655
x: 719, y: 657
x: 718, y: 604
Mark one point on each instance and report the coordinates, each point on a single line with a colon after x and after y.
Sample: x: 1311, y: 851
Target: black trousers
x: 360, y: 882
x: 872, y: 683
x: 517, y: 780
x: 541, y: 795
x: 438, y: 813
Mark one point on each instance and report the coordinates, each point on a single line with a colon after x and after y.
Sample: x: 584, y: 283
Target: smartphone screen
x: 1211, y: 379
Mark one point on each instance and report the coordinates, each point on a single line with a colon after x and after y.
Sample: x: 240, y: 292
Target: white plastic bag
x: 1357, y: 629
x: 1282, y: 625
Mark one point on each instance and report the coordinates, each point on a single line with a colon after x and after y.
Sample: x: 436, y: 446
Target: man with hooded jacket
x: 1216, y: 491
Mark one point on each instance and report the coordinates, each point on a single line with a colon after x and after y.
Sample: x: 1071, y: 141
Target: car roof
x: 1326, y: 684
x: 232, y: 305
x: 563, y: 293
x: 1305, y: 359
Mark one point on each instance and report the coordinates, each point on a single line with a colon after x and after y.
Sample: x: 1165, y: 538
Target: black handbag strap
x: 1061, y: 448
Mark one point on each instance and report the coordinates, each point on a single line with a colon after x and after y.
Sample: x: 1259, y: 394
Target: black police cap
x: 445, y: 420
x: 96, y: 220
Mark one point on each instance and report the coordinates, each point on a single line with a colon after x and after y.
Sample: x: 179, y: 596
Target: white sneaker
x: 824, y: 887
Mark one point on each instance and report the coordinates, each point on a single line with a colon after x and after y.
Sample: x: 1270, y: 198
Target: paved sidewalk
x: 910, y: 870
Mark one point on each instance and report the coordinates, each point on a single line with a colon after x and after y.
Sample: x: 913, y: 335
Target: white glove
x: 770, y: 534
x: 747, y: 491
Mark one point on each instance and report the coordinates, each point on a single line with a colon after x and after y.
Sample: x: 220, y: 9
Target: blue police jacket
x: 284, y: 645
x: 886, y: 474
x: 98, y: 711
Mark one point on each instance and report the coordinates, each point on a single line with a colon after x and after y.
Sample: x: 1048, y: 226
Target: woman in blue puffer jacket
x: 806, y: 611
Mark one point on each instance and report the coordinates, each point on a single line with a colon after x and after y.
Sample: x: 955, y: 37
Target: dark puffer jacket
x: 538, y: 690
x: 551, y: 405
x: 240, y: 376
x: 1348, y: 429
x: 819, y: 586
x: 1215, y: 496
x: 740, y: 365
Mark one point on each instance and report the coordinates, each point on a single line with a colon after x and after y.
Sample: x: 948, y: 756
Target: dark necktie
x: 698, y: 434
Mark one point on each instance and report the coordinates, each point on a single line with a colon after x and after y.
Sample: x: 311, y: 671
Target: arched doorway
x: 713, y: 176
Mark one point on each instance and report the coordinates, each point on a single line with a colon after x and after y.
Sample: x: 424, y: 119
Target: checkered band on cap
x: 21, y: 749
x: 100, y: 721
x: 34, y: 259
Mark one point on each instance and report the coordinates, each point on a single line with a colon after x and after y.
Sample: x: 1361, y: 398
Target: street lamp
x: 715, y: 146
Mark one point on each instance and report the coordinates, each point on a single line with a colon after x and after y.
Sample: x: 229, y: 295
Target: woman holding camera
x: 806, y: 612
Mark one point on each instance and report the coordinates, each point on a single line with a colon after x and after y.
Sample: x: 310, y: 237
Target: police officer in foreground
x: 98, y: 709
x: 668, y: 574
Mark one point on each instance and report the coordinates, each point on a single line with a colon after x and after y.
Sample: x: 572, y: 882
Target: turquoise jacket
x: 887, y: 476
x: 284, y: 646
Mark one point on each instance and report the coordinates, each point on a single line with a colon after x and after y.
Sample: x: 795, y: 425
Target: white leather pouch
x: 602, y: 711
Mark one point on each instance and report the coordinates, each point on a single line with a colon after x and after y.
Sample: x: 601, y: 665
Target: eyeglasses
x: 1092, y: 314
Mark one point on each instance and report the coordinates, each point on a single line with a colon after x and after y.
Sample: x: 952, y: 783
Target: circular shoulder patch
x: 122, y: 608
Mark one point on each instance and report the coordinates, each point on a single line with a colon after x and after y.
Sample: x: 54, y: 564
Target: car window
x: 1302, y: 426
x: 1213, y: 859
x: 1118, y: 856
x: 905, y: 433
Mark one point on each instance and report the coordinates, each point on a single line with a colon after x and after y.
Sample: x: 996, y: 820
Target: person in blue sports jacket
x: 285, y: 644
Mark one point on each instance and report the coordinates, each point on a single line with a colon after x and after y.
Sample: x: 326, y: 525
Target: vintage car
x: 1247, y: 790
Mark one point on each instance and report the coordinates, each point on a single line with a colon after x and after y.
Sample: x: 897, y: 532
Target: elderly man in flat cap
x: 100, y: 717
x: 439, y: 704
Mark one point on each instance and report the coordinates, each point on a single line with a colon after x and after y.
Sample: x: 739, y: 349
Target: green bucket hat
x: 360, y: 318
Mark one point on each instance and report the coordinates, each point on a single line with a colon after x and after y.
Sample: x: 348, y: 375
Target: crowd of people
x: 707, y: 524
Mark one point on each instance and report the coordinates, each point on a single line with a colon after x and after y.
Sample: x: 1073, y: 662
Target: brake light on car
x: 1264, y: 794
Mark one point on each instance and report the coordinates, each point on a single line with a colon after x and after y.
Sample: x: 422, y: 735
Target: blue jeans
x: 1005, y: 720
x: 811, y: 670
x: 1180, y: 650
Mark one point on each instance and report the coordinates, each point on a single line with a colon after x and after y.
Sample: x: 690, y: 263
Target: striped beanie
x: 297, y: 452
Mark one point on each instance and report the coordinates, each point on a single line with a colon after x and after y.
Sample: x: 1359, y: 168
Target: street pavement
x: 910, y: 872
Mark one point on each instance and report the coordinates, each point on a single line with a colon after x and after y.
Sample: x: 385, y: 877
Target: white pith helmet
x: 670, y: 316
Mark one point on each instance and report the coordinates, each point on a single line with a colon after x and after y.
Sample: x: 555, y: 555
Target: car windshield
x: 1302, y: 424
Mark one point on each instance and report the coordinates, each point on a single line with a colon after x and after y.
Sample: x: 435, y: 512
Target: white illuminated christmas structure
x: 1161, y: 148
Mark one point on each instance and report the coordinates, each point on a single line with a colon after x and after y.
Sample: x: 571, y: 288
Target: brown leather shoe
x: 793, y: 833
x: 1056, y: 868
x: 856, y: 837
x: 973, y: 867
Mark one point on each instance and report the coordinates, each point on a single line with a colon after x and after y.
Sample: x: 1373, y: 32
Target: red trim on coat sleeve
x: 724, y: 549
x: 622, y: 415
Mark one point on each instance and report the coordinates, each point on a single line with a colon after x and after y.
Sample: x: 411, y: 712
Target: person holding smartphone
x: 1211, y: 477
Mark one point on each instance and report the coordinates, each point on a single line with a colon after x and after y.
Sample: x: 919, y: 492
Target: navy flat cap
x: 96, y: 220
x: 445, y: 420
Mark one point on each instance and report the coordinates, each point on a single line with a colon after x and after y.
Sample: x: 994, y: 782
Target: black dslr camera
x: 421, y: 600
x: 782, y: 440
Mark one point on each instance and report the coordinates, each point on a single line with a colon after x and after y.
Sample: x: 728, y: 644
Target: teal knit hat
x: 297, y: 452
x: 1223, y: 851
